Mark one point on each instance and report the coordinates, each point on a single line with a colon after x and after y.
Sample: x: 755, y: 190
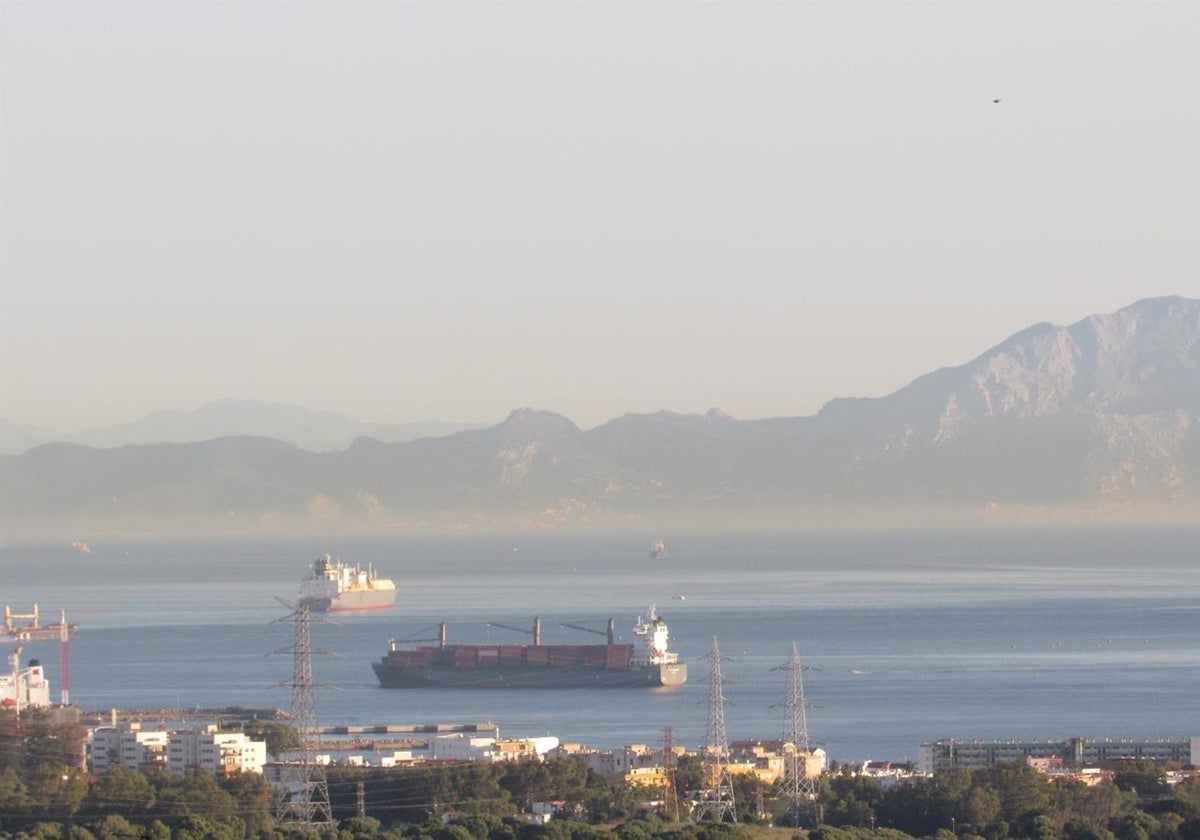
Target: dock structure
x: 243, y: 714
x: 409, y: 729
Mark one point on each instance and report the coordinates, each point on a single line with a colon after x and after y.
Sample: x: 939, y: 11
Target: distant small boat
x: 658, y: 548
x: 679, y: 596
x: 81, y: 547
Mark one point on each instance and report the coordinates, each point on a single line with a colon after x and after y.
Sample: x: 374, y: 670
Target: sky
x: 444, y: 211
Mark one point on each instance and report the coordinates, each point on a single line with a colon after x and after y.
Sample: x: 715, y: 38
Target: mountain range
x: 1097, y: 420
x: 317, y: 431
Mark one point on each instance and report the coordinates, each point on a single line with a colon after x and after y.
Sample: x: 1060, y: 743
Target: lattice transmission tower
x: 670, y: 794
x: 304, y: 802
x: 717, y: 798
x: 801, y: 790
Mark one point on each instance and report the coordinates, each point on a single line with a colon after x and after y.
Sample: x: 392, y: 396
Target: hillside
x: 1096, y: 419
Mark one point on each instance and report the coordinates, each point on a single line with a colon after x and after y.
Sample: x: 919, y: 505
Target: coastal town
x: 274, y: 745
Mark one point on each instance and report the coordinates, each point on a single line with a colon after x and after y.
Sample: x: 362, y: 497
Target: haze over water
x: 908, y: 637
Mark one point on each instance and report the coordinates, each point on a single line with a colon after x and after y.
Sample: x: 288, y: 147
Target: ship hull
x: 357, y: 599
x: 652, y: 676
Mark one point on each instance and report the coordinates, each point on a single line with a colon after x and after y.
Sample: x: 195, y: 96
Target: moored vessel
x: 609, y: 665
x: 334, y: 586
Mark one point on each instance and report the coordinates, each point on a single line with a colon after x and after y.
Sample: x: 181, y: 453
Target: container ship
x: 609, y: 665
x: 334, y: 586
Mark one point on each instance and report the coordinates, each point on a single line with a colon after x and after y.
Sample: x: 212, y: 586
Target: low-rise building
x: 127, y: 744
x: 541, y: 813
x: 459, y: 746
x: 769, y: 759
x: 205, y: 748
x: 650, y: 777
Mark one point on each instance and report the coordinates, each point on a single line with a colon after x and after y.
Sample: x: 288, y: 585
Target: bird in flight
x: 997, y: 101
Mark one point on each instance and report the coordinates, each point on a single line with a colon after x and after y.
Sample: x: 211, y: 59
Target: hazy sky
x: 409, y: 211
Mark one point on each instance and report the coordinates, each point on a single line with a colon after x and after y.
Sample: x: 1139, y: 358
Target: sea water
x: 905, y: 636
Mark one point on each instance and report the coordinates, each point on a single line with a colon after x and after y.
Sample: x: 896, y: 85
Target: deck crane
x: 536, y: 632
x: 440, y: 638
x: 15, y: 634
x: 610, y: 632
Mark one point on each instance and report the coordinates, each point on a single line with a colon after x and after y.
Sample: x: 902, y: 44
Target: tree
x: 1143, y: 776
x: 197, y: 793
x: 1189, y: 830
x: 39, y: 737
x: 362, y: 827
x: 120, y: 790
x: 981, y: 806
x: 57, y: 790
x: 1096, y: 805
x: 1078, y: 828
x: 690, y: 773
x: 1022, y: 790
x: 851, y: 800
x: 255, y: 799
x: 1134, y: 826
x: 280, y: 738
x: 1187, y: 795
x: 115, y: 827
x: 748, y: 790
x: 14, y: 796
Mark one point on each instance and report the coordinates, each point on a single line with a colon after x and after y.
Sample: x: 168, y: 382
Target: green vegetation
x: 44, y: 796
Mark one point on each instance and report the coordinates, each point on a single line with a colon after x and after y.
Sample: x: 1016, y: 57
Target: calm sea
x: 906, y: 637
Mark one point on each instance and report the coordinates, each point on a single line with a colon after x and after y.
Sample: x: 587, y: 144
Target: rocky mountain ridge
x: 1100, y: 417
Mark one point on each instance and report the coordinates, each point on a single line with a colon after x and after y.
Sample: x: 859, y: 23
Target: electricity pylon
x: 801, y: 790
x: 670, y: 794
x: 716, y: 799
x: 304, y: 804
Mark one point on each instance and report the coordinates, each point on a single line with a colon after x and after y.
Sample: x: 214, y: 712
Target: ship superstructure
x: 334, y: 586
x: 655, y: 635
x: 24, y: 687
x: 609, y: 665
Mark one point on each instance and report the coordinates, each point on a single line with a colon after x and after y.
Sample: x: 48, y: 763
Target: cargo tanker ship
x: 609, y: 665
x: 334, y: 586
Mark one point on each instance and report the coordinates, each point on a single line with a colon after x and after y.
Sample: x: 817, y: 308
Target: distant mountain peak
x: 528, y: 425
x: 1102, y: 416
x: 316, y: 431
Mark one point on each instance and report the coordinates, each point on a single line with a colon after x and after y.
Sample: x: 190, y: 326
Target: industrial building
x: 947, y: 753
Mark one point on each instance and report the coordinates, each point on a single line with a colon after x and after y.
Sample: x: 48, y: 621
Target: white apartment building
x: 459, y: 746
x: 127, y: 744
x: 205, y: 748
